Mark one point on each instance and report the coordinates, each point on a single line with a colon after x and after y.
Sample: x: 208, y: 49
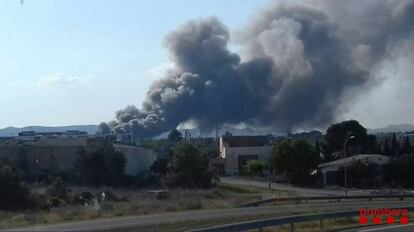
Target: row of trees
x: 395, y: 148
x: 363, y: 142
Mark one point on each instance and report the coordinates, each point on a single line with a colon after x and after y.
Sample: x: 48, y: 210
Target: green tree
x: 254, y: 167
x: 337, y: 133
x: 399, y: 172
x: 13, y: 194
x: 371, y: 145
x: 386, y: 150
x: 406, y: 148
x: 297, y: 159
x: 208, y: 147
x: 188, y: 168
x: 103, y: 166
x: 317, y: 147
x: 160, y: 166
x: 395, y: 145
x: 174, y: 136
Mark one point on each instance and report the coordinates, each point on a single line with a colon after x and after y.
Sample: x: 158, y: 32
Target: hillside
x: 13, y: 131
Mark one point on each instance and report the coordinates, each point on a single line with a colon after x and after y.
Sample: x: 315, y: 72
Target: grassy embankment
x: 142, y: 202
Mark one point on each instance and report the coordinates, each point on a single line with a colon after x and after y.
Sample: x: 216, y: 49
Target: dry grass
x: 141, y: 202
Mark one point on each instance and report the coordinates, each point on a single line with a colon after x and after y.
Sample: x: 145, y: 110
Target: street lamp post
x: 345, y: 169
x: 268, y: 172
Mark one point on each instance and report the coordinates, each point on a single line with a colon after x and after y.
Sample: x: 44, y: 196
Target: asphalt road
x: 385, y: 228
x: 144, y: 220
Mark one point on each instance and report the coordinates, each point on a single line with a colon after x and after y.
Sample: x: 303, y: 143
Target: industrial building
x: 235, y: 151
x: 59, y: 152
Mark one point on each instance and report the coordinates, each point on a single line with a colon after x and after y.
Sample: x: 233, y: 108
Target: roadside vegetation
x: 99, y: 187
x: 122, y: 202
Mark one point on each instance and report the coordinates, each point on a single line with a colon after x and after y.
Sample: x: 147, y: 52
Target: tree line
x: 298, y: 158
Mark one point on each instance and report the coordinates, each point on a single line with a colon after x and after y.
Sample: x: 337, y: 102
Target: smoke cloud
x: 299, y: 60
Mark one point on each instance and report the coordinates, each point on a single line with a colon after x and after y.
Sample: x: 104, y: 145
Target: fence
x: 336, y: 198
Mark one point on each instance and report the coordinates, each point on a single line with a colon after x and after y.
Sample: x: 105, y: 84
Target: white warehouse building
x: 235, y: 151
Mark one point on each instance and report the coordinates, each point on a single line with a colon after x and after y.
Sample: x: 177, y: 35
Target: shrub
x: 13, y: 194
x: 254, y: 167
x: 58, y: 191
x: 104, y: 166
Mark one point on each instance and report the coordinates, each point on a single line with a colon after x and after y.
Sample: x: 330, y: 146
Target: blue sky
x: 77, y: 62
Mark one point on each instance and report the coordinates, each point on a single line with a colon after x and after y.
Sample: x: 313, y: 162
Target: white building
x: 329, y: 169
x: 235, y: 151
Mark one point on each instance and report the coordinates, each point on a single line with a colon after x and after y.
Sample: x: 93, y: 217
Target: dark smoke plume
x: 298, y: 61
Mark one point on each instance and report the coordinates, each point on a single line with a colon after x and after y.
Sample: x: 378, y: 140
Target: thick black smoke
x: 298, y: 61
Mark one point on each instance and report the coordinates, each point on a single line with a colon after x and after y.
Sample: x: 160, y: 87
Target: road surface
x: 384, y: 228
x: 144, y: 220
x: 285, y: 187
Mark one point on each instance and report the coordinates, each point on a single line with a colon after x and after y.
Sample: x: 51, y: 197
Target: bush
x: 160, y: 166
x: 254, y: 167
x: 104, y: 166
x: 58, y: 191
x: 13, y: 194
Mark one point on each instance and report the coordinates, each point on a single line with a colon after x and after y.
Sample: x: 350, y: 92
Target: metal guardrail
x: 243, y: 226
x: 337, y: 198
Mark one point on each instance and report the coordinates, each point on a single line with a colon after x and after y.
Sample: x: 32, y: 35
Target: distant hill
x: 13, y: 131
x: 393, y: 128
